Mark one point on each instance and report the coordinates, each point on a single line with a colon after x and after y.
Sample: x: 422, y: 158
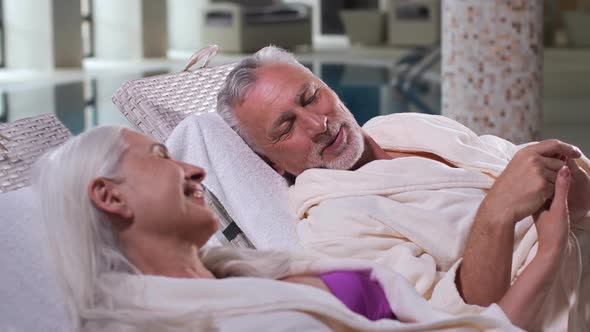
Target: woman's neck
x: 164, y: 257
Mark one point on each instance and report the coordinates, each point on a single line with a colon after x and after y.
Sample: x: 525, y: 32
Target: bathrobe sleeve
x: 508, y: 149
x: 446, y: 296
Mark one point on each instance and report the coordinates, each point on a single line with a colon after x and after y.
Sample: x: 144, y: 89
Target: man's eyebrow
x: 299, y: 96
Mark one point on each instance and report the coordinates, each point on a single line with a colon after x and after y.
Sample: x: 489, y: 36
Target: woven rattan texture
x: 27, y: 140
x: 155, y: 105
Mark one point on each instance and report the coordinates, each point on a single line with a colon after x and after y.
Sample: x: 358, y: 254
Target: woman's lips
x: 334, y: 147
x: 195, y: 192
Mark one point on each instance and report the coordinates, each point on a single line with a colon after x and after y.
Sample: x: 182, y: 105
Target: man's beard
x: 352, y: 148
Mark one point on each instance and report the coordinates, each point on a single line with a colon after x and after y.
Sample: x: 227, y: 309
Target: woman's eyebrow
x: 159, y: 146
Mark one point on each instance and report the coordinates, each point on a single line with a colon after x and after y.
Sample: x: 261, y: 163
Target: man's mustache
x: 327, y: 137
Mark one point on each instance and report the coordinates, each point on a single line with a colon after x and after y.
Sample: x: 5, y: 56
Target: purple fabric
x: 359, y: 293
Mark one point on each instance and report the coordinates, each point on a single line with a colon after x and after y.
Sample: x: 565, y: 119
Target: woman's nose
x: 194, y: 173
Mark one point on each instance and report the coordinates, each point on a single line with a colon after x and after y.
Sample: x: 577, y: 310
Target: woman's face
x: 161, y: 197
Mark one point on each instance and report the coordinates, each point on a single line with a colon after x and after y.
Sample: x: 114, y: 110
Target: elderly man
x: 404, y: 190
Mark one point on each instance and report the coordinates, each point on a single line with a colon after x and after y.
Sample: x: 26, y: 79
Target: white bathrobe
x: 414, y: 214
x: 256, y: 304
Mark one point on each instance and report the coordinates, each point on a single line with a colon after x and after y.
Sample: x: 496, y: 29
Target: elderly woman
x: 126, y: 225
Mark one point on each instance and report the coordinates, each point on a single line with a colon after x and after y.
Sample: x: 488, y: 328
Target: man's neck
x: 372, y: 152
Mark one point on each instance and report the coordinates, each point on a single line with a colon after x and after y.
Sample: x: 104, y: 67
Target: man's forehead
x: 275, y: 91
x: 283, y: 72
x: 282, y: 80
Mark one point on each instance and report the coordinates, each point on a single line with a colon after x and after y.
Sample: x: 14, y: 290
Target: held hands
x: 528, y: 182
x: 553, y: 223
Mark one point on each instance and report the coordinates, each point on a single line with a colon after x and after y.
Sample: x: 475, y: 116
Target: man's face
x: 298, y: 122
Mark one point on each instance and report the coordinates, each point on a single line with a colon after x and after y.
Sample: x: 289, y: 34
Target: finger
x: 573, y: 165
x: 554, y: 164
x: 549, y: 176
x: 552, y: 147
x: 542, y: 210
x: 548, y: 191
x: 562, y: 186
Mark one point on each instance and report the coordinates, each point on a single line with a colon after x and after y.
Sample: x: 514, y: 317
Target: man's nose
x: 314, y: 123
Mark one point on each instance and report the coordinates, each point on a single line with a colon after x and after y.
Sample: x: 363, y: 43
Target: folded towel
x: 254, y: 195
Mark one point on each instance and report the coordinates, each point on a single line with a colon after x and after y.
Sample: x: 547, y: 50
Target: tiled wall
x: 492, y: 66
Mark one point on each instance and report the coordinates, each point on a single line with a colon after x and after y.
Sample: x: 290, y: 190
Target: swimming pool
x: 367, y: 91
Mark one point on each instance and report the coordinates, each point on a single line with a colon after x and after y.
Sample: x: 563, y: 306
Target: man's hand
x: 579, y: 195
x: 528, y: 182
x: 526, y: 297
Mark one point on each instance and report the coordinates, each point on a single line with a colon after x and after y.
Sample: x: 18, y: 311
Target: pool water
x: 366, y: 90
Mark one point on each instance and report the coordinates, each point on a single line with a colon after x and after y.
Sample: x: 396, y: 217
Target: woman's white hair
x: 242, y: 78
x: 81, y: 243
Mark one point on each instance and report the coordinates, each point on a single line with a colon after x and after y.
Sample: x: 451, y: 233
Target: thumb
x: 562, y: 186
x: 573, y: 165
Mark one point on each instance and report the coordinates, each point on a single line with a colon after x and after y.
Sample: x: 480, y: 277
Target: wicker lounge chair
x: 22, y: 142
x: 155, y: 105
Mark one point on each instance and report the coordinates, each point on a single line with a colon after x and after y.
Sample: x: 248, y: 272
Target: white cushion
x: 30, y: 299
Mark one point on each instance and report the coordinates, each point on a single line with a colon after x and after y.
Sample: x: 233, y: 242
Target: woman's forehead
x: 137, y: 140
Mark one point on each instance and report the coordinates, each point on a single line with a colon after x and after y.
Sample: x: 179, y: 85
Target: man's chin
x: 346, y: 160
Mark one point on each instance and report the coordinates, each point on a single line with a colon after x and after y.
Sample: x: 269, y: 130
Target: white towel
x: 31, y: 298
x: 254, y: 195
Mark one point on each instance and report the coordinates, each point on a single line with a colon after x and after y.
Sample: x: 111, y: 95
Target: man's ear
x: 106, y: 196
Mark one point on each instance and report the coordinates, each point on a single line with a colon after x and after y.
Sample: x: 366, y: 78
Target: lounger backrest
x: 156, y: 104
x: 22, y: 142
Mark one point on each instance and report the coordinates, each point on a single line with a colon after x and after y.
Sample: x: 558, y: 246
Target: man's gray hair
x: 243, y: 77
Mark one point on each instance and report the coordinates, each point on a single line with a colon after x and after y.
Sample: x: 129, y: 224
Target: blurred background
x: 519, y: 69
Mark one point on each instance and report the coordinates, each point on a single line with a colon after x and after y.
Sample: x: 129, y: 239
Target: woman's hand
x: 553, y: 224
x: 528, y: 181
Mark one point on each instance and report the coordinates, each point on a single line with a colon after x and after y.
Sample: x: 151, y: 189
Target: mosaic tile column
x: 492, y: 66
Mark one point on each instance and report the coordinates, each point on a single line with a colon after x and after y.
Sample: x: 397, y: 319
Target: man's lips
x: 336, y: 142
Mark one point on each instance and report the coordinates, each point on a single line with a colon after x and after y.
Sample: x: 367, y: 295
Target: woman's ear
x: 107, y: 197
